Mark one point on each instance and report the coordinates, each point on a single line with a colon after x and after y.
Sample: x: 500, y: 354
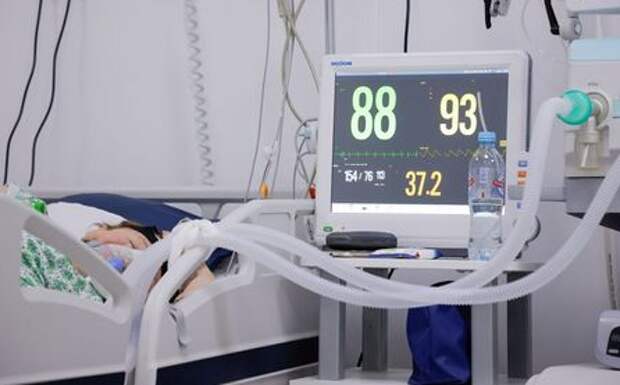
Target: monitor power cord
x: 52, y: 95
x: 7, y: 154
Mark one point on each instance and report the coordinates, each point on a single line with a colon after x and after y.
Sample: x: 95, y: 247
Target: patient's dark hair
x: 152, y: 233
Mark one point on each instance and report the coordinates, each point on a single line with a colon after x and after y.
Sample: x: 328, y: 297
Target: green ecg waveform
x: 420, y: 153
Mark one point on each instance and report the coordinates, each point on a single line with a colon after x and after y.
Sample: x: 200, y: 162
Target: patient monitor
x: 396, y: 134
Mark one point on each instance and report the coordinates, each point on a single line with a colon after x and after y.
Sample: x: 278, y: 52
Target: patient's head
x: 127, y: 234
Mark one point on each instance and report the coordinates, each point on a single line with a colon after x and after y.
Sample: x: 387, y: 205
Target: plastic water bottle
x: 486, y: 198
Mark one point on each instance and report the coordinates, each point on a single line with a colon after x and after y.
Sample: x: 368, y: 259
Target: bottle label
x: 497, y: 191
x: 486, y: 186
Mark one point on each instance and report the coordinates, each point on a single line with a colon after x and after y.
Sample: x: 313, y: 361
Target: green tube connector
x: 581, y: 108
x: 39, y: 206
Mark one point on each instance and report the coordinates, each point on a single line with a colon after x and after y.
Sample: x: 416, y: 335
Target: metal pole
x: 330, y: 28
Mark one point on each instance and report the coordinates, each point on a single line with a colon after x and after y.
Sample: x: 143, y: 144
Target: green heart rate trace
x: 419, y: 153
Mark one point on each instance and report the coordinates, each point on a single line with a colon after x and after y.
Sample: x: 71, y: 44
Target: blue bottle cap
x: 487, y: 137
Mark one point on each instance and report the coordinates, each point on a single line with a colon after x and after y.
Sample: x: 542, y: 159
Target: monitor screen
x: 402, y: 141
x: 397, y: 131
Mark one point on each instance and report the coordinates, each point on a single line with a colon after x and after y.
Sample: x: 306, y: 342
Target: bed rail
x: 158, y: 300
x: 21, y: 219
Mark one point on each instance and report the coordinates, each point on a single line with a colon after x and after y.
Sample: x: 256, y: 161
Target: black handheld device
x: 361, y: 240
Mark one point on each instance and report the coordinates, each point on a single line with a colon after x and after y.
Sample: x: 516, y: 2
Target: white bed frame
x: 46, y: 335
x: 250, y: 309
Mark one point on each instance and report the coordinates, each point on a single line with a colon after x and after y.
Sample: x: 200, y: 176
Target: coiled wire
x: 192, y: 28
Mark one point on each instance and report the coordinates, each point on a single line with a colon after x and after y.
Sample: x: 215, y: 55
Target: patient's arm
x: 201, y: 277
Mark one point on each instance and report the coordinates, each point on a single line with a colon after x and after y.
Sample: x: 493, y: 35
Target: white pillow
x: 77, y: 219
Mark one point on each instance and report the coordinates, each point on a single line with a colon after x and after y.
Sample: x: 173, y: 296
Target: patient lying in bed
x: 43, y: 266
x: 135, y: 237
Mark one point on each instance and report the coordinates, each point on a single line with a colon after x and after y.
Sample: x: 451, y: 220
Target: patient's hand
x: 3, y: 189
x: 122, y: 236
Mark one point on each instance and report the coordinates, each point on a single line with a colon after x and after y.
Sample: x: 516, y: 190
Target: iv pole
x: 330, y: 28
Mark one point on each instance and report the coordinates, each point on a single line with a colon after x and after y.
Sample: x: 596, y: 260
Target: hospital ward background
x: 284, y: 192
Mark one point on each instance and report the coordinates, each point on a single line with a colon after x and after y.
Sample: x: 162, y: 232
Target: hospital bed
x: 216, y: 335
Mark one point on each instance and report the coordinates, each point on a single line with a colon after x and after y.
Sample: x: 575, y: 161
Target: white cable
x: 303, y: 174
x: 262, y: 102
x: 288, y: 49
x: 292, y: 21
x: 289, y: 17
x: 299, y: 156
x: 526, y: 33
x: 481, y: 111
x: 284, y: 67
x: 286, y: 14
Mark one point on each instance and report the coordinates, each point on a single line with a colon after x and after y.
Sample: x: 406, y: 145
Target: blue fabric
x: 439, y: 340
x: 144, y: 212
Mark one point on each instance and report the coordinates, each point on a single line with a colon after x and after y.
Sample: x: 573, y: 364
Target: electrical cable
x: 262, y: 102
x: 290, y: 50
x: 300, y: 167
x: 554, y: 26
x: 289, y: 14
x: 287, y: 69
x: 22, y: 105
x: 407, y: 22
x: 289, y: 101
x: 291, y: 17
x: 192, y: 28
x: 300, y: 156
x: 52, y: 95
x: 304, y: 174
x: 302, y: 171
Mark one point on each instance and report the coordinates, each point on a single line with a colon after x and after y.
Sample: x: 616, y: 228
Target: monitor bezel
x: 431, y: 230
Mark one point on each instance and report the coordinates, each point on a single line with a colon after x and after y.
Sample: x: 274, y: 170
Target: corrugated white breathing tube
x: 383, y: 293
x: 507, y: 253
